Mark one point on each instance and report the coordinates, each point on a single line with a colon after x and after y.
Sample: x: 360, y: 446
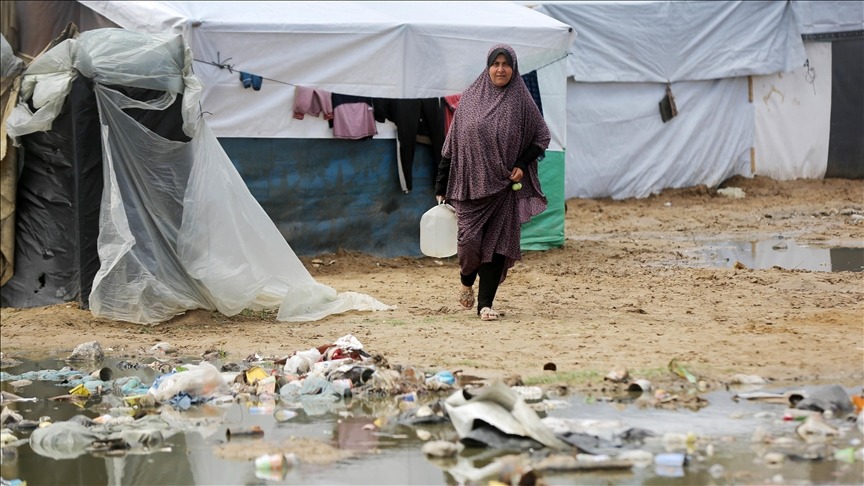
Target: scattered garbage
x: 274, y: 466
x: 441, y: 448
x: 618, y: 375
x: 731, y: 192
x: 89, y: 351
x: 741, y: 379
x: 670, y: 464
x: 680, y: 370
x: 198, y: 382
x: 496, y: 416
x: 254, y: 431
x: 468, y: 428
x: 829, y: 398
x: 639, y: 386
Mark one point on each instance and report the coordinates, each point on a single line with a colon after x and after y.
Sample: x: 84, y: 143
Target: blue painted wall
x: 331, y: 194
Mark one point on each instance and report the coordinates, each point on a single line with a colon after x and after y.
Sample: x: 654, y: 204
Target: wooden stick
x: 753, y: 161
x: 750, y: 89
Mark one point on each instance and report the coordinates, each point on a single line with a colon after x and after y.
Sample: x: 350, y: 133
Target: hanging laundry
x: 251, y: 80
x: 412, y: 117
x: 309, y: 101
x: 353, y: 117
x: 534, y: 88
x: 449, y: 104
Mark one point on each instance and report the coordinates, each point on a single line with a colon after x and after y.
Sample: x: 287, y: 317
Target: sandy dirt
x: 625, y: 291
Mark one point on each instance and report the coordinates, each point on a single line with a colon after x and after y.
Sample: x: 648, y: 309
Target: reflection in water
x: 847, y: 259
x: 389, y: 452
x: 357, y: 434
x: 783, y: 253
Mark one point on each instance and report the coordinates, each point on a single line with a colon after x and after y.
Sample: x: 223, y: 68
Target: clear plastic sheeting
x: 178, y: 230
x: 52, y: 72
x: 10, y: 65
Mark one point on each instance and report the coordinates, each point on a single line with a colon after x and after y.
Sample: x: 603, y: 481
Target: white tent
x: 627, y: 52
x: 395, y: 50
x: 377, y: 49
x: 810, y: 123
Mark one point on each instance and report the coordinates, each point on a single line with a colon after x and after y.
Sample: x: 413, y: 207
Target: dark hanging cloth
x: 412, y: 117
x: 339, y: 99
x: 533, y: 88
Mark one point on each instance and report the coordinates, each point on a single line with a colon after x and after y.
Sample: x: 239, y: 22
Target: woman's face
x: 500, y: 71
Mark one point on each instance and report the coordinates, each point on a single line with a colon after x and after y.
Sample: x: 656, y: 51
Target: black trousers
x: 490, y: 277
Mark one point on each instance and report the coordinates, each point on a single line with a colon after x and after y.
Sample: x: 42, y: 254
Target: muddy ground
x: 625, y: 291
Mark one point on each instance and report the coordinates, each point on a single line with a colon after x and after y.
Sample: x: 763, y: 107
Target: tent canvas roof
x: 383, y: 49
x: 670, y: 41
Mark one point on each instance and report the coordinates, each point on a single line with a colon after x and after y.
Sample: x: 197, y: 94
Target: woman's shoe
x: 466, y: 297
x: 488, y: 314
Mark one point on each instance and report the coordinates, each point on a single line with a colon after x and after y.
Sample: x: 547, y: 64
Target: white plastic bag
x: 438, y: 231
x: 302, y: 362
x: 203, y: 381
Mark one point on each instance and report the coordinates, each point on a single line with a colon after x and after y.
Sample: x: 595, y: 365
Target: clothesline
x: 223, y: 64
x: 355, y: 117
x: 230, y: 68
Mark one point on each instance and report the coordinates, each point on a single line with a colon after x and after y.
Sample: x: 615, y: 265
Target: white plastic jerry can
x: 438, y: 231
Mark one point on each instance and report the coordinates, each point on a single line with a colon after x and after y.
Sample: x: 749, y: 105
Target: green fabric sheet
x: 546, y: 230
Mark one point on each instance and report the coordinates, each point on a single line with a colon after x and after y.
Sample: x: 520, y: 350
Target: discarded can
x: 639, y: 386
x: 274, y: 466
x: 103, y: 374
x: 271, y: 462
x: 254, y: 431
x: 358, y: 375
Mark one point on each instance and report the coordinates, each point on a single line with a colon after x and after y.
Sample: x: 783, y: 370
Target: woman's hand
x: 439, y: 198
x: 516, y: 174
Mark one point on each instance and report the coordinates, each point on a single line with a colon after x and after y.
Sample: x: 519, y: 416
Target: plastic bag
x: 198, y: 381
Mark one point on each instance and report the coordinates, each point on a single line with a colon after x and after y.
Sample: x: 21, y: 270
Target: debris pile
x: 159, y: 394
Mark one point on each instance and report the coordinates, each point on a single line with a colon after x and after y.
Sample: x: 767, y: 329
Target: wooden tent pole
x: 752, y: 149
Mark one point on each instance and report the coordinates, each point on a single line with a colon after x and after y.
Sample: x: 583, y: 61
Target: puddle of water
x: 391, y: 454
x: 783, y: 253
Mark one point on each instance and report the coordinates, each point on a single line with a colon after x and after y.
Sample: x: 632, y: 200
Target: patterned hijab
x: 490, y: 129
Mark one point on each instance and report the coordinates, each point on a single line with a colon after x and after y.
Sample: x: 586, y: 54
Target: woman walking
x: 488, y: 173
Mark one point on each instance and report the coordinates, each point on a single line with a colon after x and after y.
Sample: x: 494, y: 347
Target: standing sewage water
x: 735, y: 438
x: 780, y: 252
